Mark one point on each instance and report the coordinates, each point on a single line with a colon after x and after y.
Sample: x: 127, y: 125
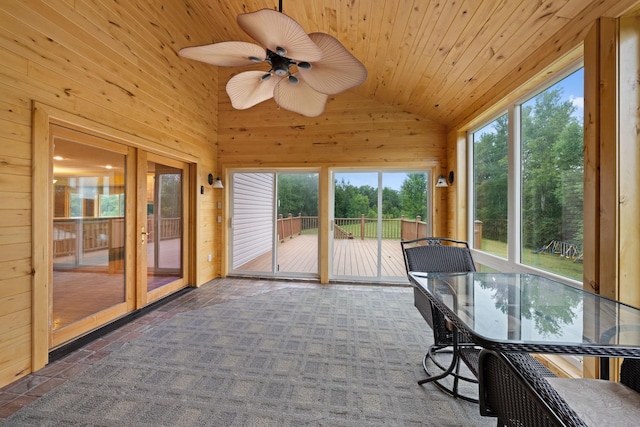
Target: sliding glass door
x: 88, y: 275
x: 162, y: 227
x: 372, y: 212
x: 274, y: 223
x: 118, y: 231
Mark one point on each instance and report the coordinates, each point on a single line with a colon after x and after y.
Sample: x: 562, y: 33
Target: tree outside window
x: 551, y: 170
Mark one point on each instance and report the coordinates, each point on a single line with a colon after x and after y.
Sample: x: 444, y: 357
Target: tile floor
x: 29, y: 388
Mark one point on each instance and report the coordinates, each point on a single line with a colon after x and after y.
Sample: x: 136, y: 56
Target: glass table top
x: 529, y: 309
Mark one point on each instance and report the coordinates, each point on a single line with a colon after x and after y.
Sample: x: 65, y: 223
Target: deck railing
x: 354, y: 228
x: 413, y: 229
x: 392, y: 228
x: 289, y: 227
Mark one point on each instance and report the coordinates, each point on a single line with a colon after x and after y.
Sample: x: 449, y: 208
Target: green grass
x: 544, y: 261
x: 390, y: 229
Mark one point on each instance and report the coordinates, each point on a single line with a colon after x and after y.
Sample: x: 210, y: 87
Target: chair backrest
x: 437, y: 255
x: 513, y: 389
x: 630, y: 373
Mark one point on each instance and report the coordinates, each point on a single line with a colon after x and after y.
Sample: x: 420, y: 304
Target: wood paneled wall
x: 629, y: 158
x: 109, y: 63
x: 353, y: 131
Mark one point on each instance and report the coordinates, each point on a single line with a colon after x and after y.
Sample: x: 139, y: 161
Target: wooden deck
x: 351, y: 258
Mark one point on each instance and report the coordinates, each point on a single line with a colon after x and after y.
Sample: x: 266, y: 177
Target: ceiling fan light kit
x: 305, y: 68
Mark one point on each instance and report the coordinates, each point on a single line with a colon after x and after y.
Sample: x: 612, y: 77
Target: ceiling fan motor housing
x: 279, y: 64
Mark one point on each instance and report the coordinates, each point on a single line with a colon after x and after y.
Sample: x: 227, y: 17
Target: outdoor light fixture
x: 218, y: 183
x: 444, y: 182
x: 210, y: 181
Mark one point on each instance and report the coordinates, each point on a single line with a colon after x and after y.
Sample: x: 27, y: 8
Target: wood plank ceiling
x: 438, y: 59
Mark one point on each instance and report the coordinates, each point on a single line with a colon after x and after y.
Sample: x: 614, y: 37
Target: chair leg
x: 456, y: 377
x: 452, y: 370
x: 432, y: 353
x: 445, y: 371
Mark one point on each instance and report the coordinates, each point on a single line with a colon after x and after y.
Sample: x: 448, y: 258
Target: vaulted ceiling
x: 438, y: 59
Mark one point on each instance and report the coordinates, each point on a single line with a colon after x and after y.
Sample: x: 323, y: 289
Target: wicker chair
x: 520, y: 393
x: 630, y: 373
x: 441, y: 255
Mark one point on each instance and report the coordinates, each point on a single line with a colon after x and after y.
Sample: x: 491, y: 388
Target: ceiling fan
x: 305, y: 69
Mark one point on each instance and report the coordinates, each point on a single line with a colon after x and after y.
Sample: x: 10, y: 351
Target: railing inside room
x: 77, y: 238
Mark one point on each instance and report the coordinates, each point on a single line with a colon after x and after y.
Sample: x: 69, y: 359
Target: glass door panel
x: 252, y: 198
x: 355, y: 232
x: 163, y: 230
x: 297, y: 224
x: 89, y: 243
x: 411, y: 190
x: 404, y: 216
x: 373, y: 211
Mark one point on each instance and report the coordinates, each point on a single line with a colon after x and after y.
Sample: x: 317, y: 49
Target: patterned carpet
x: 292, y: 357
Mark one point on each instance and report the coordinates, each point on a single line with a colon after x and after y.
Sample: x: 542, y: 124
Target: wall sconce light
x: 443, y: 182
x: 216, y: 184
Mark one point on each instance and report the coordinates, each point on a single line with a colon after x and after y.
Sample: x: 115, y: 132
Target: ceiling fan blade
x: 248, y: 89
x: 226, y: 54
x: 273, y: 29
x: 338, y: 70
x: 299, y: 98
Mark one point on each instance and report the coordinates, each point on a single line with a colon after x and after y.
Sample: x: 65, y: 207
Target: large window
x: 527, y: 183
x: 490, y: 179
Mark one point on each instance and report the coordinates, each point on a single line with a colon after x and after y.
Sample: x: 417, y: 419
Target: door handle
x: 143, y: 236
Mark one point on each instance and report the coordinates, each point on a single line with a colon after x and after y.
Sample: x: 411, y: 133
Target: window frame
x: 514, y: 196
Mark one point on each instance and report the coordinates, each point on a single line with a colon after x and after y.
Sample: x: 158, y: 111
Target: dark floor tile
x: 26, y: 384
x: 78, y: 368
x: 6, y: 397
x: 55, y: 369
x: 45, y: 387
x: 15, y: 405
x: 97, y: 345
x: 77, y: 356
x: 98, y: 355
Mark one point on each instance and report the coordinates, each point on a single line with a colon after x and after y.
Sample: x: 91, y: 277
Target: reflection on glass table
x: 529, y: 313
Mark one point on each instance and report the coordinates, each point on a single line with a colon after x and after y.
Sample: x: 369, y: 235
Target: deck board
x: 351, y: 258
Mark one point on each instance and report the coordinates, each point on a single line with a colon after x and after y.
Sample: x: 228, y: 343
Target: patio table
x: 519, y: 312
